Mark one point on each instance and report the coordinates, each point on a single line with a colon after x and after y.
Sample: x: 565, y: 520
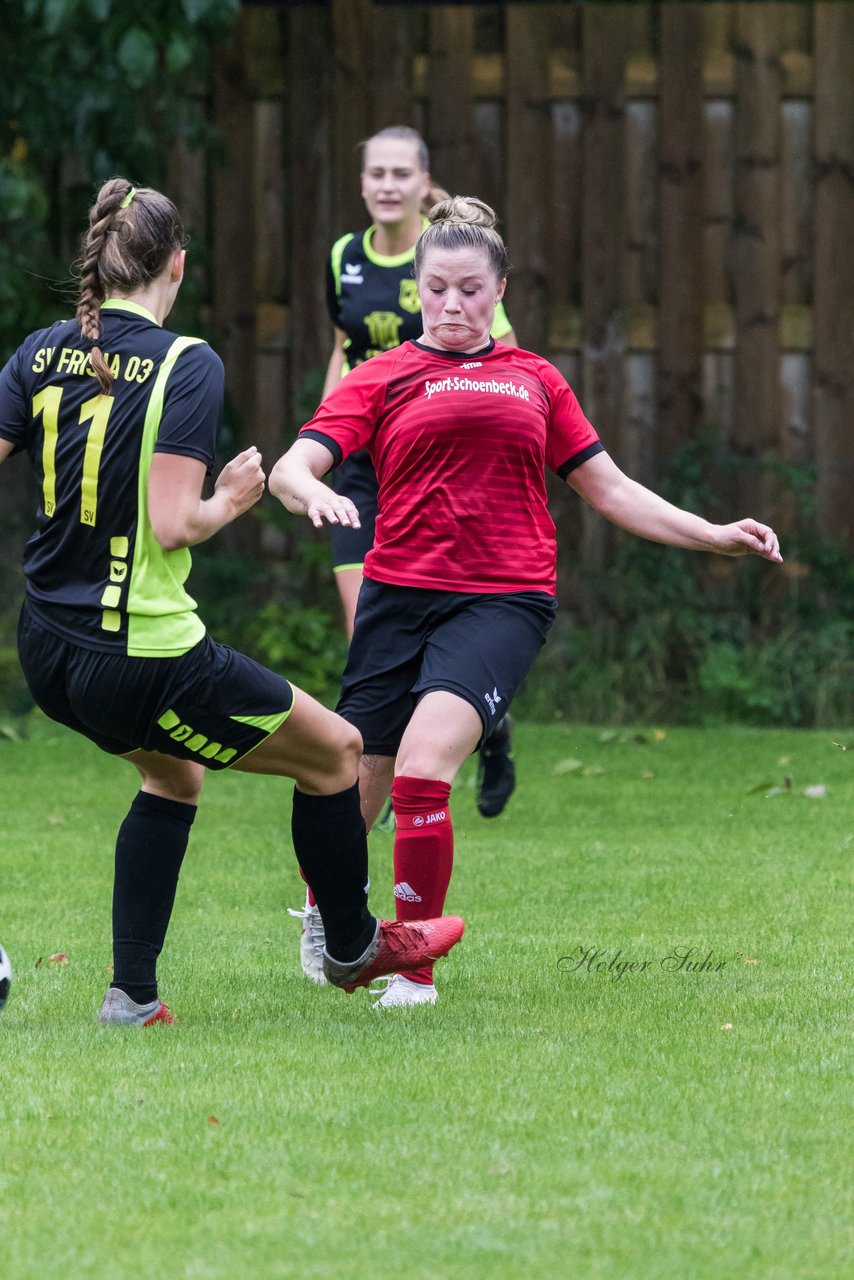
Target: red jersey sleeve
x: 571, y: 438
x: 347, y: 418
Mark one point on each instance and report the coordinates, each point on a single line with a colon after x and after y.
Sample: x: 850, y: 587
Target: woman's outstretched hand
x: 748, y: 538
x: 334, y: 508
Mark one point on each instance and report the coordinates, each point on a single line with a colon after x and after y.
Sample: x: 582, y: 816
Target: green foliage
x: 303, y: 643
x: 90, y: 88
x: 14, y: 695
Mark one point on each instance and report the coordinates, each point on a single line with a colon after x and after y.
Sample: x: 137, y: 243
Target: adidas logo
x: 406, y: 893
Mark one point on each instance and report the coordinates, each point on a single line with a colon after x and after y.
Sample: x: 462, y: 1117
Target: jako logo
x: 436, y: 817
x: 492, y: 700
x: 473, y: 364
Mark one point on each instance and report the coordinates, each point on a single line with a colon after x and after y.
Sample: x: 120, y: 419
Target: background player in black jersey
x: 374, y: 305
x: 453, y: 612
x: 119, y: 418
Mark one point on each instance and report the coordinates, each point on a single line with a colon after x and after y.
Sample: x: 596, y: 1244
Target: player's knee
x: 421, y: 760
x: 184, y: 785
x: 334, y: 762
x: 343, y: 755
x: 350, y: 746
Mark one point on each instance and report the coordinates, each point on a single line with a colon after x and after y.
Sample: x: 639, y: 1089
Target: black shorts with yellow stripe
x: 211, y: 704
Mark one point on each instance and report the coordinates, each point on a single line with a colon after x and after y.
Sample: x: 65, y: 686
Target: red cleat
x: 398, y: 947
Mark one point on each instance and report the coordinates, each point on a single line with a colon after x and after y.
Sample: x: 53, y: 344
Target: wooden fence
x: 676, y: 183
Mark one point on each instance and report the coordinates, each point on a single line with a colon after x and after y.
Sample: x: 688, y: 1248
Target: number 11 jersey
x: 95, y: 573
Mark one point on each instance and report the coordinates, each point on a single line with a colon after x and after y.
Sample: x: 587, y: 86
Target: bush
x: 14, y: 694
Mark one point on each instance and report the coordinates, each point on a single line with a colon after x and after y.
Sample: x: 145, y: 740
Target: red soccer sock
x: 423, y: 852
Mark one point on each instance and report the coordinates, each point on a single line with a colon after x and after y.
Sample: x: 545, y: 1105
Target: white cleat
x: 400, y: 990
x: 312, y: 942
x: 118, y: 1007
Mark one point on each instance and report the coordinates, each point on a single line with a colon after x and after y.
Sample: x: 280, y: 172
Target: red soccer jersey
x: 459, y: 444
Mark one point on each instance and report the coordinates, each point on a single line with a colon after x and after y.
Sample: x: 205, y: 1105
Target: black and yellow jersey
x: 95, y: 573
x: 374, y: 299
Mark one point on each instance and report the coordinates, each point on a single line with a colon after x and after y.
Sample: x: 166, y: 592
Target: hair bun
x: 460, y: 209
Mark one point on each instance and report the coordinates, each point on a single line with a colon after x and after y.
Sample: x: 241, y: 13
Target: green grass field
x: 542, y: 1120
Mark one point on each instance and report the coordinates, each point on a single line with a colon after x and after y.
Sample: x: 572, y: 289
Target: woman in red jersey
x: 460, y: 585
x: 374, y: 305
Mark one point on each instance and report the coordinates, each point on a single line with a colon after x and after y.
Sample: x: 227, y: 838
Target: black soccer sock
x: 150, y: 848
x: 332, y: 849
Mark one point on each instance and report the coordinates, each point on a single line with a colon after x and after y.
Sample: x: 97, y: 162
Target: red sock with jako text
x: 423, y: 852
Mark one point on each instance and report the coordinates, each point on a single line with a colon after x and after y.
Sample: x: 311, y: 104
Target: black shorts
x: 409, y: 641
x: 356, y: 480
x: 211, y: 704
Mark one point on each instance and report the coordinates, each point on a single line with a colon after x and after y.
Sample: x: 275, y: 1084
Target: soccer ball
x: 5, y: 977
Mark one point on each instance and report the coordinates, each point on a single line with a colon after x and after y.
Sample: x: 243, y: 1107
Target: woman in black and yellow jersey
x: 119, y: 418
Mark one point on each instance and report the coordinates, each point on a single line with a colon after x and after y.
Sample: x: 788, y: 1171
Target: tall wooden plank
x: 757, y: 186
x: 718, y: 376
x: 833, y: 395
x: 602, y: 212
x: 563, y: 234
x: 602, y: 237
x: 269, y: 201
x: 795, y: 22
x: 796, y: 230
x: 640, y: 287
x: 270, y: 280
x: 450, y: 109
x: 719, y: 392
x: 233, y: 202
x: 681, y: 130
x: 795, y: 379
x: 350, y: 41
x: 395, y: 40
x: 718, y: 20
x: 187, y: 184
x: 640, y: 450
x: 528, y: 123
x: 563, y: 215
x: 187, y: 174
x: 487, y: 165
x: 719, y: 212
x: 310, y: 223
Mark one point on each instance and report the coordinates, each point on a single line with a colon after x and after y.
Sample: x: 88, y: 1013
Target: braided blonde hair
x: 132, y: 234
